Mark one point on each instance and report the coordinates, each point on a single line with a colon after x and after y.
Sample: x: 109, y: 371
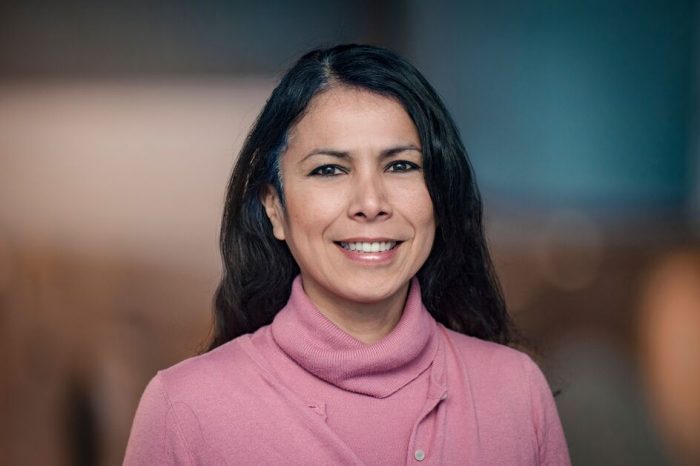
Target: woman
x: 358, y: 320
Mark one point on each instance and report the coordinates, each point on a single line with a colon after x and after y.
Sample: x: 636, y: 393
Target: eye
x: 402, y: 166
x: 327, y: 170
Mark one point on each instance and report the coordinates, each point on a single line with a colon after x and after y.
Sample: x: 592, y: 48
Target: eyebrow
x: 346, y: 154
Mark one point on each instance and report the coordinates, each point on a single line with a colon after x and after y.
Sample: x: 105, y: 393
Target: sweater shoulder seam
x: 178, y: 427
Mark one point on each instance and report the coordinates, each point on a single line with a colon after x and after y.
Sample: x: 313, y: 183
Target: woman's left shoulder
x: 493, y: 361
x: 486, y: 352
x: 511, y: 396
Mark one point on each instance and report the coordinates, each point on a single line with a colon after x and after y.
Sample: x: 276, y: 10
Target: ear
x: 273, y: 208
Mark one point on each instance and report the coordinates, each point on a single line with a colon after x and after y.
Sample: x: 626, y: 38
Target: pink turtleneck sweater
x: 302, y: 391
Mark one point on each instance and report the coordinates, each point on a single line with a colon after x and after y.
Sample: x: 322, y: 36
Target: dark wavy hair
x: 458, y: 283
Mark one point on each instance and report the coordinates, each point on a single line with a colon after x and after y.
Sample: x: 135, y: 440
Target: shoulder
x: 204, y: 375
x: 488, y: 356
x: 509, y: 393
x: 173, y: 418
x: 495, y: 370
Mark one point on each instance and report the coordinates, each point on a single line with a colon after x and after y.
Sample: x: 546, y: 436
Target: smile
x: 366, y: 247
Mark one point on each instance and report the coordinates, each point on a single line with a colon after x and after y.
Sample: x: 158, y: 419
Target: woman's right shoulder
x: 179, y: 405
x: 231, y: 365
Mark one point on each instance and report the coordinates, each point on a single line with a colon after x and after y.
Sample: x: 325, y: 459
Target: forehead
x: 349, y: 118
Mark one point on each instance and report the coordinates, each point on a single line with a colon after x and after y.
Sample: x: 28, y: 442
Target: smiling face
x: 357, y: 216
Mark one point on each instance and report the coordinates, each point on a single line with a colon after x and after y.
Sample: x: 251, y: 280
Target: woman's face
x: 357, y: 216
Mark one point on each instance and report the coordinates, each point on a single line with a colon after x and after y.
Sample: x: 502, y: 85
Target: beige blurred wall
x: 110, y: 200
x: 135, y: 168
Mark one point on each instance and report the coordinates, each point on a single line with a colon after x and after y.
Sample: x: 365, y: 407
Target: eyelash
x: 338, y: 170
x: 410, y: 166
x: 318, y: 171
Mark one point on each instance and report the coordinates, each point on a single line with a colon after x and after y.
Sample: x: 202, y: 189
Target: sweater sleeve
x: 552, y: 448
x: 156, y: 437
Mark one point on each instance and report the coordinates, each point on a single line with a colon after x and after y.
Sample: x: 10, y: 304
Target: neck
x: 366, y: 322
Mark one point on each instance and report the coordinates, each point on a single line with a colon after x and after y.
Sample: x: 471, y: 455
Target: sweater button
x: 420, y: 455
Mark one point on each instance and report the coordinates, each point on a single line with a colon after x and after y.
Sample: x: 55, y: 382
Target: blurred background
x: 120, y: 123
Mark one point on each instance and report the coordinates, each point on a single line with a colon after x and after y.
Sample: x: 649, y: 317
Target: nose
x: 369, y: 201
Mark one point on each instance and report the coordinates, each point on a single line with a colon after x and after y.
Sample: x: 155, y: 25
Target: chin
x: 370, y: 293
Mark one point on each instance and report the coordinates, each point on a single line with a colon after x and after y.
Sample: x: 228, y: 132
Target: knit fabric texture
x: 302, y: 391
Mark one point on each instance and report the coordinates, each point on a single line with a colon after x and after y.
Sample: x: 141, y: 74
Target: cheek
x: 310, y: 211
x: 426, y: 212
x: 417, y: 207
x: 426, y: 219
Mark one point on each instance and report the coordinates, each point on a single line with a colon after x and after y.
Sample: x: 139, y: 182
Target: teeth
x: 369, y: 247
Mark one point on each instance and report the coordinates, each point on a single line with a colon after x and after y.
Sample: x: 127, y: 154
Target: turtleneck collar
x: 378, y: 370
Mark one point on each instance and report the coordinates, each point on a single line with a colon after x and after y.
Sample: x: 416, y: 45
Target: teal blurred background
x: 120, y: 122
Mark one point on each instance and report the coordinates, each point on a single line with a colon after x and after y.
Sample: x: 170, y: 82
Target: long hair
x: 458, y: 284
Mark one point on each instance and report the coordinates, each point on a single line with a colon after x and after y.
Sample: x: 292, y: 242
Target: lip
x: 369, y: 258
x: 383, y: 239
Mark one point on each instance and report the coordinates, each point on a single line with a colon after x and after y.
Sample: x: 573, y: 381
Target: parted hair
x: 458, y: 283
